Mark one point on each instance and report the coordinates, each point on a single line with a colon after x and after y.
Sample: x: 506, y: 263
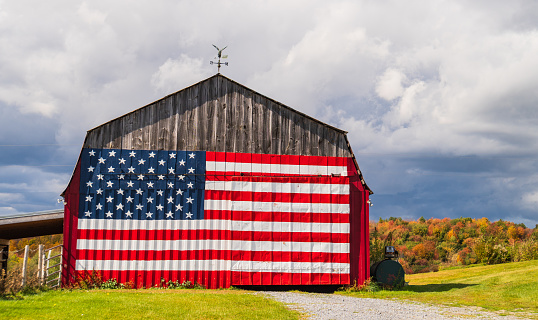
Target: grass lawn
x: 509, y: 287
x: 144, y: 304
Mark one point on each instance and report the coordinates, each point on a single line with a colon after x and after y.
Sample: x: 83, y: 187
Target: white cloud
x: 176, y: 74
x: 389, y: 85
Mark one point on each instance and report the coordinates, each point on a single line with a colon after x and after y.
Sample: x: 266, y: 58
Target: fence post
x: 24, y: 266
x: 40, y: 264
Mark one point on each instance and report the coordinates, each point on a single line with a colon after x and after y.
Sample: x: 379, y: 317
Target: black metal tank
x: 388, y: 272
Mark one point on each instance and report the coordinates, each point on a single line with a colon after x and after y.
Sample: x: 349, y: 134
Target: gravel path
x: 333, y: 306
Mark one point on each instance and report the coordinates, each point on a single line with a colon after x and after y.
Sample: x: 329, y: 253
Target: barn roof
x: 224, y: 115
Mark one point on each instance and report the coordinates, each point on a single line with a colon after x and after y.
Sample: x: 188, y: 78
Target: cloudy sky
x: 440, y: 98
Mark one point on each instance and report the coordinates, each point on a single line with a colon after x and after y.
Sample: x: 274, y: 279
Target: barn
x: 220, y: 185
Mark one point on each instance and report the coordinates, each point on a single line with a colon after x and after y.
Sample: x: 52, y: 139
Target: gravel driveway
x: 333, y: 306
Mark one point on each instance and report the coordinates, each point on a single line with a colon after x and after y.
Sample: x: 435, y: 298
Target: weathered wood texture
x: 219, y: 114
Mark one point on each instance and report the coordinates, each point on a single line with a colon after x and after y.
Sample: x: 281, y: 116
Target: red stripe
x: 250, y: 176
x: 164, y: 234
x: 326, y: 217
x: 278, y: 278
x: 276, y: 256
x: 275, y: 159
x: 276, y: 197
x: 219, y: 279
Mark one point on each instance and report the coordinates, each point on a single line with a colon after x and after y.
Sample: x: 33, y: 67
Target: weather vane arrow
x: 219, y: 56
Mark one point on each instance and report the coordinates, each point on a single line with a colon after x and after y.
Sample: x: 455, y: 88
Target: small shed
x: 219, y: 185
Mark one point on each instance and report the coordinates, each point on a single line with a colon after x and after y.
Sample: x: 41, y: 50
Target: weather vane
x: 219, y: 55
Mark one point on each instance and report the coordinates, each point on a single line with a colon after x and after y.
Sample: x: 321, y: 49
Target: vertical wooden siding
x: 219, y: 115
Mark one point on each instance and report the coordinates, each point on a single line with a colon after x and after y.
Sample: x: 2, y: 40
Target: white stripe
x: 290, y: 267
x: 213, y: 265
x: 275, y: 168
x: 276, y: 187
x: 153, y: 265
x: 143, y: 245
x: 275, y: 206
x: 274, y: 226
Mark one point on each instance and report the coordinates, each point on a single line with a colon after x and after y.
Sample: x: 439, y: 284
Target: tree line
x: 430, y: 245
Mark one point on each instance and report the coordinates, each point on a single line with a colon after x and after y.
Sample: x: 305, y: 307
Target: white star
x: 160, y: 192
x: 189, y: 185
x: 189, y: 215
x: 139, y: 207
x: 131, y: 169
x: 120, y: 191
x: 151, y: 170
x: 170, y: 184
x: 149, y: 214
x: 88, y: 213
x: 99, y: 206
x: 99, y: 191
x: 150, y: 184
x: 191, y: 170
x: 112, y: 154
x: 92, y: 153
x: 170, y: 199
x: 129, y: 199
x: 109, y: 199
x: 130, y: 184
x: 152, y: 154
x: 141, y: 161
x: 172, y: 155
x: 122, y: 161
x: 89, y: 198
x: 161, y: 177
x: 162, y: 162
x: 169, y: 214
x: 182, y: 162
x: 191, y: 155
x: 121, y: 177
x: 132, y: 154
x: 100, y: 177
x: 179, y: 192
x: 119, y: 206
x: 150, y: 200
x: 89, y: 184
x: 109, y: 184
x: 171, y: 170
x: 90, y: 169
x: 189, y: 200
x: 129, y: 213
x: 139, y: 191
x: 140, y: 177
x: 111, y: 169
x: 101, y: 160
x: 179, y: 207
x: 109, y: 214
x: 181, y: 177
x: 160, y: 207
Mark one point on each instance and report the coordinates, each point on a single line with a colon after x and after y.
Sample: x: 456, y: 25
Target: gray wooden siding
x: 218, y: 114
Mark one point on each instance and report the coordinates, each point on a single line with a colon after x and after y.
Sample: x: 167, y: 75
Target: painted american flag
x: 216, y: 218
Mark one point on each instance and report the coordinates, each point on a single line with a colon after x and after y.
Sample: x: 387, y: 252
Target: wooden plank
x: 181, y: 101
x: 247, y: 120
x: 276, y: 121
x: 220, y: 117
x: 256, y: 131
x: 208, y: 119
x: 163, y: 115
x: 229, y: 131
x: 322, y: 137
x: 126, y: 142
x: 284, y: 130
x: 171, y: 106
x: 137, y: 132
x: 192, y: 110
x: 266, y: 126
x: 299, y: 134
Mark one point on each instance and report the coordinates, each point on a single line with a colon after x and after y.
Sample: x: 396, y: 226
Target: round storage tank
x: 389, y: 273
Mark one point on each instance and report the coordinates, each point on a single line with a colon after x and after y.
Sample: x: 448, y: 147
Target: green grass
x: 507, y: 288
x: 144, y: 304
